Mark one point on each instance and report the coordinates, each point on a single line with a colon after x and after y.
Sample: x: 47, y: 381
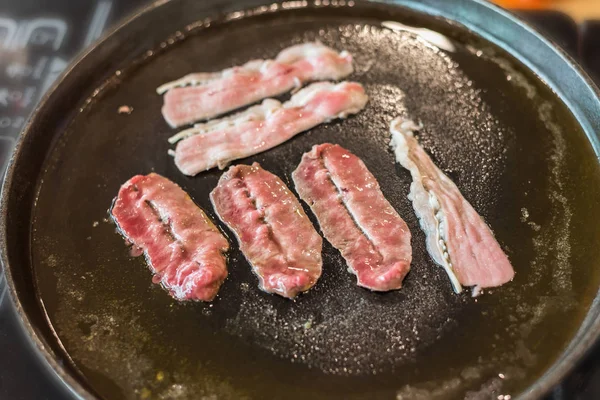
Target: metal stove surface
x: 37, y: 41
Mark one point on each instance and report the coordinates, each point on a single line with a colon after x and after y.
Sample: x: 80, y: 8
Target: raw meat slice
x: 274, y: 233
x: 355, y: 216
x: 457, y: 237
x: 184, y: 249
x: 265, y: 126
x: 206, y: 95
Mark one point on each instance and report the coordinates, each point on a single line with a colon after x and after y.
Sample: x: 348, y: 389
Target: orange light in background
x: 579, y: 10
x: 524, y: 4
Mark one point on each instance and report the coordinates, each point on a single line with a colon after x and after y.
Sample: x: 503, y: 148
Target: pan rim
x: 51, y: 365
x: 588, y: 332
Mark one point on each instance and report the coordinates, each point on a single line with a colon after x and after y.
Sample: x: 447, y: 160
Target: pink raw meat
x: 262, y: 127
x: 184, y: 249
x: 273, y: 231
x: 355, y: 216
x: 213, y: 94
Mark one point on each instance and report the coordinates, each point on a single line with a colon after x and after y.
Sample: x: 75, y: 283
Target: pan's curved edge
x: 581, y: 106
x: 581, y: 98
x: 508, y: 39
x: 52, y: 366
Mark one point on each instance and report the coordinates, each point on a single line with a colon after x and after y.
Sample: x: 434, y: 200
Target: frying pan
x: 506, y: 114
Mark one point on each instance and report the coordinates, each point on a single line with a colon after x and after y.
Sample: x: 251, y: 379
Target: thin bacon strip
x: 355, y: 216
x: 202, y: 96
x: 262, y: 127
x: 274, y: 234
x: 183, y: 248
x: 457, y: 237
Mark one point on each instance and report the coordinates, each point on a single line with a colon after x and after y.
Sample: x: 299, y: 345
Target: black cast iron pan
x: 505, y: 114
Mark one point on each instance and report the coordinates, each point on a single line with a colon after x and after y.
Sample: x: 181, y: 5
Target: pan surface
x: 514, y: 149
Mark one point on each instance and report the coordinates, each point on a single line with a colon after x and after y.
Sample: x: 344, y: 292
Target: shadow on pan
x: 516, y: 151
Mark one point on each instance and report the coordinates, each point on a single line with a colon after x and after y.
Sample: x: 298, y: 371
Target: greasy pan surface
x: 516, y: 152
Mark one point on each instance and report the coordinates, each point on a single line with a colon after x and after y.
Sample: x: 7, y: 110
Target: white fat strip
x: 255, y: 113
x: 289, y: 55
x: 261, y: 112
x: 202, y: 78
x: 303, y: 96
x: 194, y: 79
x: 286, y: 56
x: 346, y: 113
x: 292, y: 54
x: 297, y: 85
x: 426, y: 205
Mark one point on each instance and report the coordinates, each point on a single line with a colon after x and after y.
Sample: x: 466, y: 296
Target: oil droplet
x: 145, y: 393
x: 160, y: 376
